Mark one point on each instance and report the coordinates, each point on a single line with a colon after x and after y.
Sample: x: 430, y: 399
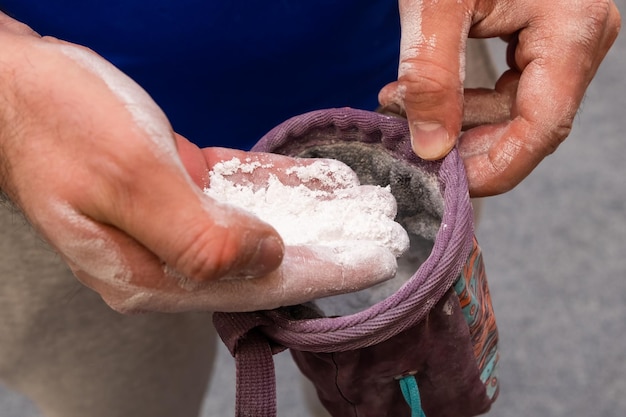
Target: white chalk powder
x: 327, y: 207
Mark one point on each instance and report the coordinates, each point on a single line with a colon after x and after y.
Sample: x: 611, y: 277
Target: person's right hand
x: 555, y: 48
x: 96, y: 168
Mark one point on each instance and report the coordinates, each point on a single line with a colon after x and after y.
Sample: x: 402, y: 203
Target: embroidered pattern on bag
x: 475, y: 300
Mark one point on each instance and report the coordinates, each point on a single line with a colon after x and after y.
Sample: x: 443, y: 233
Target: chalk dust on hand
x: 321, y: 205
x: 327, y: 207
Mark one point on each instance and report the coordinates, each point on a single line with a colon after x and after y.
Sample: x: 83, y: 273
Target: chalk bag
x: 429, y: 346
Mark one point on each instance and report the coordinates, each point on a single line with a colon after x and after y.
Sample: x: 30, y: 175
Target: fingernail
x: 268, y: 256
x: 429, y: 140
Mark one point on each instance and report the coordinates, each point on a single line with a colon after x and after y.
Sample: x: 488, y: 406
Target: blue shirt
x: 225, y: 72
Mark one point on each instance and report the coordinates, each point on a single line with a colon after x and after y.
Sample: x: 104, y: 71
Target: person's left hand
x: 555, y: 48
x: 97, y: 170
x: 307, y: 271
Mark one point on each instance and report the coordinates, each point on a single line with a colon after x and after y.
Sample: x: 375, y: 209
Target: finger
x: 498, y: 157
x: 129, y: 277
x: 203, y: 238
x: 257, y: 167
x: 105, y: 257
x: 194, y: 160
x: 484, y: 106
x: 431, y: 73
x: 551, y: 87
x: 307, y: 273
x: 237, y: 243
x: 334, y: 270
x: 146, y: 192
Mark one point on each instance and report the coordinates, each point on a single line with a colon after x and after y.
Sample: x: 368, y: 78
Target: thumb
x: 207, y: 239
x: 194, y: 235
x: 430, y: 76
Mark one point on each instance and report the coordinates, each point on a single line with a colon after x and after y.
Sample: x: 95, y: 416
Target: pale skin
x: 78, y: 159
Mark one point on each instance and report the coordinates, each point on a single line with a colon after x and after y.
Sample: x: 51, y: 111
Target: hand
x: 308, y: 271
x: 96, y: 168
x: 555, y: 48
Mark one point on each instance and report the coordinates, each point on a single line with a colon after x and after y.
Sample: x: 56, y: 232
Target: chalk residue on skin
x: 329, y: 173
x: 86, y: 248
x: 467, y: 24
x: 327, y: 209
x: 413, y: 40
x: 145, y: 113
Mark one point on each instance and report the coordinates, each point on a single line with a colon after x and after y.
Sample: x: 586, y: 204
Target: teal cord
x: 411, y: 393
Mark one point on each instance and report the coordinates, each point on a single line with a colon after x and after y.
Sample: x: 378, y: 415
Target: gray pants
x: 61, y: 346
x: 65, y: 349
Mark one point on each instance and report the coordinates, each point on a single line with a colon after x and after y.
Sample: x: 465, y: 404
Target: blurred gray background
x: 555, y: 251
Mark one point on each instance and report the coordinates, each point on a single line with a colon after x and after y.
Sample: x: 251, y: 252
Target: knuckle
x: 209, y: 253
x: 427, y: 84
x: 546, y: 138
x: 603, y: 19
x: 588, y: 28
x: 553, y: 131
x: 597, y: 11
x: 427, y: 76
x: 557, y: 135
x: 615, y: 21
